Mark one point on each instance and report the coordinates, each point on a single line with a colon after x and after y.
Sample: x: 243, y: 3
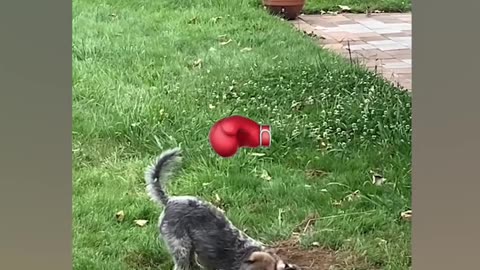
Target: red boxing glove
x: 231, y: 133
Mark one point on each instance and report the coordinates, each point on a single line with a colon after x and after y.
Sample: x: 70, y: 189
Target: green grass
x: 139, y: 89
x: 316, y: 6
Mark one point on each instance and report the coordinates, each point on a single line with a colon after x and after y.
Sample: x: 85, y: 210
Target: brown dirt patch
x: 319, y: 258
x: 315, y: 258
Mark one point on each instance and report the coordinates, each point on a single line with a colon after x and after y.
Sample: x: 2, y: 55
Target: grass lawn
x: 315, y: 6
x: 153, y: 74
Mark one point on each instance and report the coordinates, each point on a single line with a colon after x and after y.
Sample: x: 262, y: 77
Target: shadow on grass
x: 147, y: 260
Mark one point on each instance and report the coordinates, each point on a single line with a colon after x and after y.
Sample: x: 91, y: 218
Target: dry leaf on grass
x: 344, y: 8
x: 353, y: 196
x: 219, y: 203
x: 215, y: 19
x: 246, y: 49
x: 265, y: 175
x: 225, y: 42
x: 141, y: 222
x: 198, y: 63
x: 120, y: 216
x: 193, y: 20
x: 337, y: 203
x: 406, y: 215
x: 378, y: 179
x: 217, y: 198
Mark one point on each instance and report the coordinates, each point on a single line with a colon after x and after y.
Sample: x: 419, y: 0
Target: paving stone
x: 383, y: 31
x: 399, y: 64
x: 381, y: 42
x: 374, y: 37
x: 398, y: 71
x: 371, y: 23
x: 404, y: 76
x: 387, y: 45
x: 401, y: 54
x: 358, y: 47
x: 335, y: 46
x: 343, y: 36
x: 397, y: 34
x: 375, y: 54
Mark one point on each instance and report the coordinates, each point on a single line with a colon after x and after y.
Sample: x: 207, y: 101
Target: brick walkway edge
x: 382, y: 42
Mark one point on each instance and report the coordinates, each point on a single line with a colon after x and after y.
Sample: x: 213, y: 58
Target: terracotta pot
x: 289, y: 9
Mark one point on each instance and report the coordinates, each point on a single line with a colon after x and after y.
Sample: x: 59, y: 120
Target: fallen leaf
x: 337, y: 203
x: 308, y: 186
x: 381, y: 241
x: 120, y: 216
x: 246, y: 49
x: 215, y: 19
x: 225, y: 42
x: 193, y: 20
x: 344, y: 8
x: 353, y: 196
x: 141, y: 222
x: 265, y: 175
x: 198, y: 63
x: 406, y: 215
x: 219, y: 203
x: 378, y: 179
x: 316, y: 244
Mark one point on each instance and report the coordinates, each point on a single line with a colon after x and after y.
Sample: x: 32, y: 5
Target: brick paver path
x: 383, y: 42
